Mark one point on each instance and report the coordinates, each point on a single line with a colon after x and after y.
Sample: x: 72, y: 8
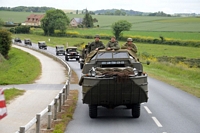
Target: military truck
x: 114, y: 78
x: 72, y: 53
x: 60, y: 49
x: 27, y: 42
x: 42, y: 45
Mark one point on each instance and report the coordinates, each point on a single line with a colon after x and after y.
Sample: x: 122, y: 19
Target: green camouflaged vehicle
x: 114, y: 78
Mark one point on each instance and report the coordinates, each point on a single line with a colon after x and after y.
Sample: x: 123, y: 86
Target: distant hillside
x: 117, y: 12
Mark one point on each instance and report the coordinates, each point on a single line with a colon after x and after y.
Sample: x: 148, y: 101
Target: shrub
x: 5, y: 42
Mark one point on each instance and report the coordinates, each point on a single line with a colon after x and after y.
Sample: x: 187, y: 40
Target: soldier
x: 93, y: 48
x: 130, y: 45
x: 96, y: 45
x: 84, y: 51
x: 112, y: 44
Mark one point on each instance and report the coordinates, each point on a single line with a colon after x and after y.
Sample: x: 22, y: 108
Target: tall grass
x: 20, y: 68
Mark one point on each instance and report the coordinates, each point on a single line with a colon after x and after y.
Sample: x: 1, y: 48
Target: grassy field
x: 140, y: 23
x: 20, y: 68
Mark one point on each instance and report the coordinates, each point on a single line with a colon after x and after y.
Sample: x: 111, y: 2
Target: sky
x: 167, y: 6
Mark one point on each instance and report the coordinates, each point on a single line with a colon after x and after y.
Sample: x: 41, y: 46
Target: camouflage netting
x: 121, y: 74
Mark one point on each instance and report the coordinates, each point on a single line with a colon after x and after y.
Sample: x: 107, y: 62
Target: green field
x: 140, y: 23
x: 20, y: 68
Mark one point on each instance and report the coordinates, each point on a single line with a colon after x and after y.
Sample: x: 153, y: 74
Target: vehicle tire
x: 81, y: 65
x: 93, y: 111
x: 136, y: 110
x: 66, y: 58
x: 77, y: 59
x: 56, y: 53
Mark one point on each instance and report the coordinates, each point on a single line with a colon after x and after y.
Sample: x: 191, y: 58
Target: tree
x: 119, y: 26
x: 54, y: 20
x: 87, y: 20
x: 5, y: 42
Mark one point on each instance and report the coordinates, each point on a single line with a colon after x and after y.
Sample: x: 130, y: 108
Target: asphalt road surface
x: 169, y: 110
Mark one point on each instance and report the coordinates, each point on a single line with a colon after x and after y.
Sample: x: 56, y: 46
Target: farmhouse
x: 76, y: 21
x: 34, y: 19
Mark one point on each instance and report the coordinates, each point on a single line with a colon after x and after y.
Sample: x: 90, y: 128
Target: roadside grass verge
x: 12, y: 93
x: 20, y: 68
x: 67, y: 116
x: 180, y: 76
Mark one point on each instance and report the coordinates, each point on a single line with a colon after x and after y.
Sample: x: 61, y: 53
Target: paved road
x: 169, y: 110
x: 37, y: 95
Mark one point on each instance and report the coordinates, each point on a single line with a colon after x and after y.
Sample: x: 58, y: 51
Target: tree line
x: 26, y: 9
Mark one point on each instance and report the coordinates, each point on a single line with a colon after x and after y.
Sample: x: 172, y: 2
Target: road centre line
x: 147, y: 109
x: 157, y: 122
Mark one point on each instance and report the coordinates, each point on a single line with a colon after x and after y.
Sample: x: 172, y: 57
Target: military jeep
x: 27, y: 42
x: 72, y: 53
x: 17, y: 40
x: 42, y: 45
x: 60, y: 50
x: 114, y: 78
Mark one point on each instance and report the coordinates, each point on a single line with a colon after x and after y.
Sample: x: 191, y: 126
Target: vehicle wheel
x: 56, y: 53
x: 39, y: 47
x: 81, y: 65
x: 136, y: 110
x: 77, y: 59
x: 66, y: 58
x: 93, y: 111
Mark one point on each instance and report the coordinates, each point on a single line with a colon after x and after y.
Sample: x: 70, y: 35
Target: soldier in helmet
x: 96, y: 45
x: 130, y: 45
x: 112, y: 44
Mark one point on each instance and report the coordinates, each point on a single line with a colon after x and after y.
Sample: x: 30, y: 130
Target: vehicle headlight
x: 135, y: 71
x: 92, y: 72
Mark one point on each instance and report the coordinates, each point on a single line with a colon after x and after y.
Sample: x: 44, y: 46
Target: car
x: 42, y: 45
x: 17, y: 40
x: 72, y: 53
x: 27, y: 42
x: 60, y: 49
x: 111, y: 79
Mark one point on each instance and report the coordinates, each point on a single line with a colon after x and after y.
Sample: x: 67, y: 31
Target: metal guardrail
x: 56, y: 104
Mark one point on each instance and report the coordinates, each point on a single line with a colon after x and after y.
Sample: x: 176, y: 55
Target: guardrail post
x: 60, y: 100
x: 63, y: 96
x: 22, y: 130
x: 49, y: 117
x: 38, y: 116
x: 55, y: 108
x: 66, y: 91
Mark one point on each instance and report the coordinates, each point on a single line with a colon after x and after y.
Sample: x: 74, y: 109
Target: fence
x: 55, y: 106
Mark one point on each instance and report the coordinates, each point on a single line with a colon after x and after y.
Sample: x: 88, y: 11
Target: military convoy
x: 114, y: 78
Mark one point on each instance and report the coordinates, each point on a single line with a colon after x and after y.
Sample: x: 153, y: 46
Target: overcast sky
x: 168, y: 6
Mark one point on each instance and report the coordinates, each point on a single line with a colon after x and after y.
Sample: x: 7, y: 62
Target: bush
x: 21, y: 29
x: 5, y: 42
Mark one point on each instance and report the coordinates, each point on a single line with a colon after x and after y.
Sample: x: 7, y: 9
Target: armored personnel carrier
x: 114, y: 78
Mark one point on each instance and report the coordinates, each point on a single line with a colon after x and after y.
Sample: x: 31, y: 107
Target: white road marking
x: 148, y: 110
x: 157, y: 122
